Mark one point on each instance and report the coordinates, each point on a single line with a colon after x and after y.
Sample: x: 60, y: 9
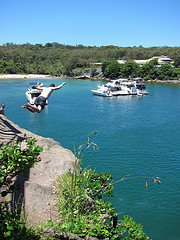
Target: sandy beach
x: 23, y: 76
x: 41, y: 76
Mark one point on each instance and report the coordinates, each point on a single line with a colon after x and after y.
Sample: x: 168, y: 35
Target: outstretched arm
x: 58, y: 87
x: 39, y: 88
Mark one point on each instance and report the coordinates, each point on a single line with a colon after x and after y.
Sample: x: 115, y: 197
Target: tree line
x: 66, y: 60
x: 151, y: 70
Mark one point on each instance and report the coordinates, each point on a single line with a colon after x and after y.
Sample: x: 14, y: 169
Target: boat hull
x: 101, y: 93
x: 32, y: 93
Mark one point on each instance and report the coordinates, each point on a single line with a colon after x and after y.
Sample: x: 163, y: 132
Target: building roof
x: 161, y: 60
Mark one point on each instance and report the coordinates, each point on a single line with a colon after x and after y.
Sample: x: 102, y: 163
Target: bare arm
x: 39, y: 88
x: 58, y: 87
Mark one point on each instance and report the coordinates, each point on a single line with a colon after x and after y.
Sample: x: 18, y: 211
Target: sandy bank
x: 23, y: 76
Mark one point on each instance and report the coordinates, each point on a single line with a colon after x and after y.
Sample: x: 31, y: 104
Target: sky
x: 126, y: 23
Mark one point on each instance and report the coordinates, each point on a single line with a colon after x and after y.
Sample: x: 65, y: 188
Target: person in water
x: 40, y: 101
x: 2, y: 108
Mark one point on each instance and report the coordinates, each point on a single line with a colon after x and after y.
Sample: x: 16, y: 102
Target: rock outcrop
x: 37, y: 188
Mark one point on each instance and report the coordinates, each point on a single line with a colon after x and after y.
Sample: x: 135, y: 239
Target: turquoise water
x: 136, y: 135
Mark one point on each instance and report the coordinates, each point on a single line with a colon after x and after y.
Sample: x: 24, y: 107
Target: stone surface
x: 37, y: 188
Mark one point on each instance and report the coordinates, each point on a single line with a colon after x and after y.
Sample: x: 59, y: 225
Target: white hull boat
x: 32, y: 93
x: 100, y: 92
x: 141, y: 89
x: 121, y: 87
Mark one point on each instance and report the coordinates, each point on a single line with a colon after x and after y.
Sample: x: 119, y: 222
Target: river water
x: 137, y: 135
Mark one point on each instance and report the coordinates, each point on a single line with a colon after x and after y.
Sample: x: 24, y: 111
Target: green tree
x: 130, y: 69
x: 104, y: 65
x: 112, y: 70
x: 145, y: 70
x: 177, y: 62
x: 166, y: 72
x: 153, y: 63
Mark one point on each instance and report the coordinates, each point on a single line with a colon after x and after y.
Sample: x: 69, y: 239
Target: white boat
x: 108, y: 91
x: 141, y: 89
x: 32, y: 93
x: 128, y: 87
x: 121, y: 87
x: 116, y: 88
x: 102, y: 91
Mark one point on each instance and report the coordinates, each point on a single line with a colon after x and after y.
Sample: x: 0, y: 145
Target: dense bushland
x: 60, y: 60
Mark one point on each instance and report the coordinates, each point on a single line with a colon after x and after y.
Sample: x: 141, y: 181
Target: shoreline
x: 163, y: 81
x: 41, y: 76
x: 23, y: 76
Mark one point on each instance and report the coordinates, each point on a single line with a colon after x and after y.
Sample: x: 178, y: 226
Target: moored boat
x: 121, y: 87
x: 102, y: 92
x: 141, y: 88
x: 32, y: 93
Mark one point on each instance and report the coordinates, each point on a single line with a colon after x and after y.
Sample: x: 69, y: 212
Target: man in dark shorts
x: 41, y: 99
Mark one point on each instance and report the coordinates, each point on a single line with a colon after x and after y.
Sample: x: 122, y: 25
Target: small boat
x: 32, y: 93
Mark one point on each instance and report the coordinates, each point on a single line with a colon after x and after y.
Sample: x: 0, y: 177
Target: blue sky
x: 124, y: 23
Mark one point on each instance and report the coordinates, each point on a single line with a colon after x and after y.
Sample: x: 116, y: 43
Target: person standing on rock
x: 2, y: 108
x: 41, y: 99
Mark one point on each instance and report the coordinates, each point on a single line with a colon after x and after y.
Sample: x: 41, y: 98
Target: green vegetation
x: 113, y: 70
x: 14, y: 160
x: 65, y: 60
x: 83, y: 213
x: 13, y: 225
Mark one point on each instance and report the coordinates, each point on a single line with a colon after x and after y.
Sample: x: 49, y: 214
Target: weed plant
x: 83, y: 212
x: 15, y: 159
x: 82, y: 209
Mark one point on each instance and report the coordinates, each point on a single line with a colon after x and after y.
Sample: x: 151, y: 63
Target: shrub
x: 15, y: 159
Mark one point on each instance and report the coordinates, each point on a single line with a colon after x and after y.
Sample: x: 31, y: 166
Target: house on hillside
x: 161, y: 60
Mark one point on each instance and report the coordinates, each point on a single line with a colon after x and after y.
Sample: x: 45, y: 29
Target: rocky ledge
x: 37, y: 188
